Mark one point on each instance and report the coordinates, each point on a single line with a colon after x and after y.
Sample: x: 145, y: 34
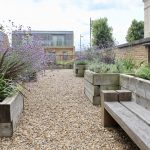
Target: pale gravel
x: 58, y: 116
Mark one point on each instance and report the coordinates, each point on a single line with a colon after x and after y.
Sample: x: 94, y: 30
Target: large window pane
x: 58, y: 40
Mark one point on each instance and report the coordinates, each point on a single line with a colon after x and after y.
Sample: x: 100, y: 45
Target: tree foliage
x: 102, y: 33
x: 1, y: 27
x: 135, y: 31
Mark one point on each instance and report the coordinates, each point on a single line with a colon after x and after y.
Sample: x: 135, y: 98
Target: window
x: 65, y: 55
x: 58, y: 40
x: 27, y: 39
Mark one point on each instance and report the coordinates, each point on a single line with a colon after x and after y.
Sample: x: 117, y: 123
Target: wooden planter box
x: 10, y: 111
x: 79, y: 70
x: 67, y: 66
x: 139, y: 87
x: 95, y: 82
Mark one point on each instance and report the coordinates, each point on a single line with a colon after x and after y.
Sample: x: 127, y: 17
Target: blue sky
x: 73, y: 15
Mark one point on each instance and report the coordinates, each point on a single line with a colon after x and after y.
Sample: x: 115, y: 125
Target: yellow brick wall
x: 138, y: 52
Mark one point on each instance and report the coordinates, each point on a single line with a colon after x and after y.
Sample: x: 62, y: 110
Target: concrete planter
x: 10, y: 111
x: 79, y: 70
x: 139, y: 87
x: 95, y: 82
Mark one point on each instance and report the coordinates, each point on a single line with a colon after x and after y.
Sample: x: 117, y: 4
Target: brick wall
x: 138, y: 50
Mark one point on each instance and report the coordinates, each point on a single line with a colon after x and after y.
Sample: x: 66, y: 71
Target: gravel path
x: 58, y: 116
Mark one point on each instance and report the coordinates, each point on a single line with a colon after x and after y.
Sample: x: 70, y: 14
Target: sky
x: 73, y: 15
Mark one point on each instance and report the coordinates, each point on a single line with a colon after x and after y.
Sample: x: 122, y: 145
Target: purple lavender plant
x: 28, y: 49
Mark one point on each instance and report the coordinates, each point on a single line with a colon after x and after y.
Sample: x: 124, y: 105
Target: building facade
x: 58, y: 44
x: 4, y: 42
x: 146, y: 18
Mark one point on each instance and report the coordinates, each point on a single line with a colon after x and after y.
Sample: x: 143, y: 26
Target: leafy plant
x: 7, y: 88
x: 64, y: 62
x: 99, y: 67
x: 143, y: 72
x: 102, y: 33
x: 125, y: 65
x: 80, y: 62
x: 135, y: 31
x: 10, y: 66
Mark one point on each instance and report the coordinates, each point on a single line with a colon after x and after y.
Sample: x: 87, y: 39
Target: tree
x: 135, y: 31
x: 102, y: 33
x: 1, y: 27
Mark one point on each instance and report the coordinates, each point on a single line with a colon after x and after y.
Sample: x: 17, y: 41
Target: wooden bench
x: 117, y: 108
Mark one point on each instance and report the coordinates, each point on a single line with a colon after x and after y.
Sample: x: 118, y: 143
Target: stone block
x: 109, y: 96
x: 124, y: 95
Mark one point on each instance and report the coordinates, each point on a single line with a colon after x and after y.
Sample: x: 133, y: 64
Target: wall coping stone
x: 137, y: 42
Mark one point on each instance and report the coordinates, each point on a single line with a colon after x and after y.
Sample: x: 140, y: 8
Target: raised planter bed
x: 66, y: 66
x: 79, y: 70
x: 95, y: 82
x: 139, y: 87
x: 10, y: 111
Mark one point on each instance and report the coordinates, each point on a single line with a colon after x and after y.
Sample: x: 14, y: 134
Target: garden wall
x: 138, y: 50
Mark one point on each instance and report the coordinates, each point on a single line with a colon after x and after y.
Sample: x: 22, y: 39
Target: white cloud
x: 73, y: 15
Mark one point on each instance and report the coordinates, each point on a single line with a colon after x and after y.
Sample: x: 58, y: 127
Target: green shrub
x: 99, y: 67
x: 64, y: 62
x: 10, y: 66
x: 143, y: 72
x: 81, y: 62
x: 120, y: 66
x: 125, y: 65
x: 7, y: 88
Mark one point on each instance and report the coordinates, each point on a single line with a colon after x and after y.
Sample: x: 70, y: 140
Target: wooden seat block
x: 138, y: 110
x: 124, y: 95
x: 135, y: 127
